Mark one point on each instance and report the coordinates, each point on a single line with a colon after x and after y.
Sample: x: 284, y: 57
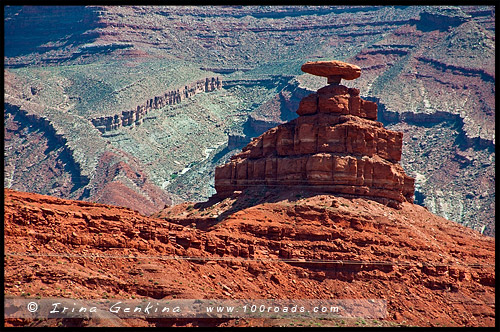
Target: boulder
x: 333, y: 70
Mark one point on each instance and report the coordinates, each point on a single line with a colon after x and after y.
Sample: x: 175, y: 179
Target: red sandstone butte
x: 334, y: 146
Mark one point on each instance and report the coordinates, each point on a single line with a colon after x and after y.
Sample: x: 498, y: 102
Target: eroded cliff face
x: 335, y: 145
x: 172, y: 97
x: 54, y: 152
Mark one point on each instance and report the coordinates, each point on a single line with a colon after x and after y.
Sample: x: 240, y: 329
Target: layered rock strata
x: 246, y: 247
x: 335, y: 146
x: 135, y: 116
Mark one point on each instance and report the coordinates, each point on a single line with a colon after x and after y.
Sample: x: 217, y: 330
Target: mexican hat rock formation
x: 334, y: 146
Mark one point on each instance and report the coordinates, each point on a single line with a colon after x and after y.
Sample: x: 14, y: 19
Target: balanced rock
x: 333, y: 70
x: 334, y: 146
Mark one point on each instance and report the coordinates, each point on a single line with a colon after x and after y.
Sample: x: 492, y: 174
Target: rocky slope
x: 100, y: 61
x: 260, y: 244
x: 438, y: 84
x: 40, y: 149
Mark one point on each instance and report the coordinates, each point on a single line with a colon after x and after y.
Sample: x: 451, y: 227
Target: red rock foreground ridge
x: 335, y: 145
x: 265, y: 244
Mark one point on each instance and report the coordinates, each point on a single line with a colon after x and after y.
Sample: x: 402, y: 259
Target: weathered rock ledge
x: 135, y: 116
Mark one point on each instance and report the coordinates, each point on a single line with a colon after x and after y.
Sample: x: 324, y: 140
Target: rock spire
x: 334, y: 146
